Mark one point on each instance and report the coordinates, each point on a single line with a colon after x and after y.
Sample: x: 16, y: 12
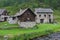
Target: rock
x: 54, y: 36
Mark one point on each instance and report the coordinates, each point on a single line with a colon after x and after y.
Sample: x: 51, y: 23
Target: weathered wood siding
x: 27, y: 14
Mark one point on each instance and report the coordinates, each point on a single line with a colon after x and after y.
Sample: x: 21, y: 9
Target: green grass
x: 42, y: 29
x: 6, y: 25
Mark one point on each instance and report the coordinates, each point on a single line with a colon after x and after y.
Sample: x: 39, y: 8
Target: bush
x: 35, y: 27
x: 49, y: 31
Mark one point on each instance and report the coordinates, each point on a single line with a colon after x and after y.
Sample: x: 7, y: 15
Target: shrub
x: 49, y: 31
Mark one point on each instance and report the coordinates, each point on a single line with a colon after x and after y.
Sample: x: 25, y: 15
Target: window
x: 49, y: 20
x: 0, y: 15
x: 41, y: 20
x: 28, y: 18
x: 44, y: 15
x: 49, y: 15
x: 39, y: 15
x: 14, y: 18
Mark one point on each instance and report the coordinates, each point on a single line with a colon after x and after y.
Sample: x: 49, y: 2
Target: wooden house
x: 26, y: 18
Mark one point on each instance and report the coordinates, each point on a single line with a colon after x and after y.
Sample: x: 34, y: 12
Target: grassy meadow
x: 39, y: 30
x: 7, y: 25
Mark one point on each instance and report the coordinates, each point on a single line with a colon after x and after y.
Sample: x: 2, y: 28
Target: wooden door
x: 41, y: 20
x: 49, y: 20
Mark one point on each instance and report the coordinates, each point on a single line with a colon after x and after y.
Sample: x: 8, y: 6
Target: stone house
x: 12, y: 19
x: 28, y: 18
x: 3, y: 14
x: 44, y: 15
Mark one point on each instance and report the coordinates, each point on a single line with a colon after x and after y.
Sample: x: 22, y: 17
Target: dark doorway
x: 5, y: 19
x: 49, y: 20
x: 41, y: 20
x: 14, y: 18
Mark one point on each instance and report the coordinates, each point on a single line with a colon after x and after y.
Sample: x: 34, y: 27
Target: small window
x: 0, y: 15
x: 44, y: 15
x: 14, y: 18
x: 49, y: 15
x: 39, y: 15
x: 28, y: 18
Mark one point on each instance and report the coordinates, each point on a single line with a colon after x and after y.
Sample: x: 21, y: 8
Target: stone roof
x: 2, y: 10
x: 43, y: 10
x: 21, y: 12
x: 36, y: 10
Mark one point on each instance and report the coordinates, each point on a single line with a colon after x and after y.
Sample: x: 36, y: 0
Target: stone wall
x: 1, y: 18
x: 46, y: 19
x: 27, y: 24
x: 11, y: 21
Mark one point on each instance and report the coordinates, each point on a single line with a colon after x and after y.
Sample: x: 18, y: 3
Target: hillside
x: 26, y: 34
x: 33, y: 3
x: 15, y: 5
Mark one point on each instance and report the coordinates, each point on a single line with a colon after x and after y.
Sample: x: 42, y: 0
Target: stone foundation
x: 27, y: 24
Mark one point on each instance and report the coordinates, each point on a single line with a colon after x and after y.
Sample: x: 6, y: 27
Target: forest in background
x: 15, y: 5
